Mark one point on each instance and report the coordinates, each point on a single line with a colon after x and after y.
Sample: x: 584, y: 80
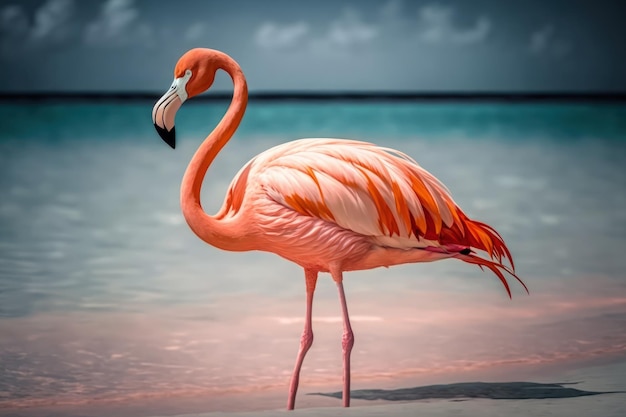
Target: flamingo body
x: 329, y: 205
x: 323, y: 202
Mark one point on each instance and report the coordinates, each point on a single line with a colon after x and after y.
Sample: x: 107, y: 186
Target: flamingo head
x: 194, y: 73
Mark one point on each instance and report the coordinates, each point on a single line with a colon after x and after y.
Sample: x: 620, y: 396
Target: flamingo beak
x: 164, y: 111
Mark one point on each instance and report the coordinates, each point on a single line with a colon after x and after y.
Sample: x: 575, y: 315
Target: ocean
x: 107, y: 297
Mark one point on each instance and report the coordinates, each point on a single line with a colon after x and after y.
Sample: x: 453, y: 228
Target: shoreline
x: 602, y: 376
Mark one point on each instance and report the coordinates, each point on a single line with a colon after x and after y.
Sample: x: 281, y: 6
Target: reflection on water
x: 105, y: 293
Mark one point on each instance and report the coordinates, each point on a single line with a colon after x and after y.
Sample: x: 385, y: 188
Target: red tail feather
x: 496, y: 268
x: 481, y: 236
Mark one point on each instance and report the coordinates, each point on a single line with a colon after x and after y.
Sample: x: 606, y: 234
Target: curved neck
x: 220, y: 233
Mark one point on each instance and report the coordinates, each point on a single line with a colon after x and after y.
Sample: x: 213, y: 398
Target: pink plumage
x: 325, y: 201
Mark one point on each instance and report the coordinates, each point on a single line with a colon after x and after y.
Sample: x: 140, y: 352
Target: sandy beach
x: 484, y: 408
x: 606, y: 379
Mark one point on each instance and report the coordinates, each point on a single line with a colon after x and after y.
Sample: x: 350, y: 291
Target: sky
x: 326, y: 45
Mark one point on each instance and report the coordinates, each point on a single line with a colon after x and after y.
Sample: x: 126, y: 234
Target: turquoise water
x: 105, y: 293
x: 400, y: 120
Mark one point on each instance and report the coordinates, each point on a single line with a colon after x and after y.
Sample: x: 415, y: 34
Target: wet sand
x: 579, y: 392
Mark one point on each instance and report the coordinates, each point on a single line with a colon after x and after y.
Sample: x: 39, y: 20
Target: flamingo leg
x: 307, y: 337
x: 347, y: 340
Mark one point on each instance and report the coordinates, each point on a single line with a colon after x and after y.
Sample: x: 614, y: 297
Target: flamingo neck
x: 221, y: 233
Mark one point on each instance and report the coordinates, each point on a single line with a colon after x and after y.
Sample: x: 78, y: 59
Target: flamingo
x: 329, y: 205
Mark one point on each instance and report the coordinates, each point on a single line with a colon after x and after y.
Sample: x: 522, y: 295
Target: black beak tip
x: 168, y: 136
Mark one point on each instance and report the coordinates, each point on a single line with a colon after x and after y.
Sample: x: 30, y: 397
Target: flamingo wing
x: 371, y: 190
x: 374, y: 191
x: 361, y: 187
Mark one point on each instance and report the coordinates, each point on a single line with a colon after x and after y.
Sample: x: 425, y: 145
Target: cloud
x: 349, y: 29
x: 117, y: 24
x: 52, y: 23
x: 273, y: 36
x: 195, y: 31
x: 345, y: 31
x: 436, y: 26
x: 391, y: 10
x: 543, y: 41
x: 13, y: 21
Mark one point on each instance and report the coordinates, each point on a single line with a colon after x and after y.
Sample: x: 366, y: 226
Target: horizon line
x: 509, y: 96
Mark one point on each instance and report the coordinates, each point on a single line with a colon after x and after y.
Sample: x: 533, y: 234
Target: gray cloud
x: 272, y: 35
x: 350, y: 29
x: 195, y: 31
x: 544, y: 41
x: 53, y: 21
x: 13, y: 21
x: 436, y: 25
x: 333, y: 44
x: 118, y: 24
x: 391, y: 9
x: 345, y: 31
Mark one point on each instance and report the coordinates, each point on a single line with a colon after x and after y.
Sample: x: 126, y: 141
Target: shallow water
x: 106, y: 294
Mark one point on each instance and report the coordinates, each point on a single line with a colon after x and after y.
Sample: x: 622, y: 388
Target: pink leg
x: 307, y: 337
x: 347, y: 341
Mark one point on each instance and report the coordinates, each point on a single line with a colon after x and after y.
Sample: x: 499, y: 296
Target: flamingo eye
x: 188, y: 73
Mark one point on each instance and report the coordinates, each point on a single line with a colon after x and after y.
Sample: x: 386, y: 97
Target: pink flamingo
x: 329, y: 205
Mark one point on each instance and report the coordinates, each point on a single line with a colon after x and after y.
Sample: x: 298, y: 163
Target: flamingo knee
x: 306, y: 340
x: 347, y: 341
